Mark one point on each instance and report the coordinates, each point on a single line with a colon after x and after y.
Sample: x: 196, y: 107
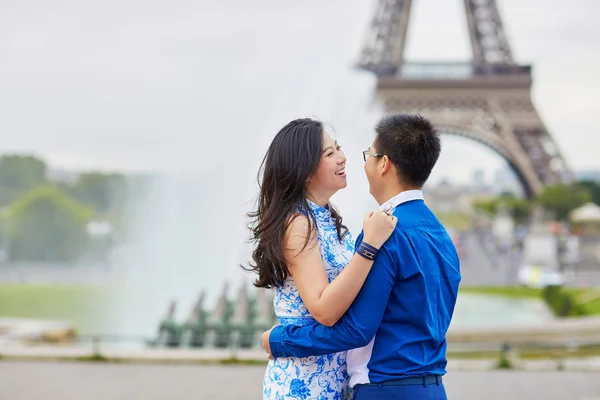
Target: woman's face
x: 331, y: 173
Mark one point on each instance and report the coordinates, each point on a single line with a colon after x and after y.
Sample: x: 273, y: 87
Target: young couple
x: 370, y: 315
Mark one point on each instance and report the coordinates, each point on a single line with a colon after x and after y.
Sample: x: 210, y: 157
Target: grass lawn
x: 508, y: 291
x: 454, y: 220
x: 592, y: 306
x: 82, y: 305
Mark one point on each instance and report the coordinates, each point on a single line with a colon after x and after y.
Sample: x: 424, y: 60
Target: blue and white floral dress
x: 318, y: 377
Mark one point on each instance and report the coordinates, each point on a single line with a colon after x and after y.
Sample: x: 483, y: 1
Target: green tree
x: 593, y: 189
x: 47, y: 225
x: 518, y: 207
x: 561, y: 199
x: 487, y: 205
x: 18, y: 174
x: 103, y: 192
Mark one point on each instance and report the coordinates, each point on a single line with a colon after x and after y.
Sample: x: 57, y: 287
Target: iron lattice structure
x: 487, y: 100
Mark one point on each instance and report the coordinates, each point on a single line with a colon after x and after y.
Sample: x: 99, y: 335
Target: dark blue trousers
x: 407, y: 392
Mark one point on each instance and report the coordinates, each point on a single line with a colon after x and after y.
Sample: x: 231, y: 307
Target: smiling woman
x: 305, y: 254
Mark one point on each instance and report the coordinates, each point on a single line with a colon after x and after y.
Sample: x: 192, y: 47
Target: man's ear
x: 385, y: 166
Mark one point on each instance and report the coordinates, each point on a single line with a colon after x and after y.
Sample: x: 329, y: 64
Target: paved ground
x: 76, y: 381
x: 484, y: 265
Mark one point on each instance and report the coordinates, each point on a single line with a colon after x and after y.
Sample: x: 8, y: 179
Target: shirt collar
x: 400, y: 198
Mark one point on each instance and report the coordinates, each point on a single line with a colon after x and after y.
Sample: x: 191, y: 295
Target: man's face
x: 372, y: 168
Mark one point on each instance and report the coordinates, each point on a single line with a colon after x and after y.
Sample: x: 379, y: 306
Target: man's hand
x: 265, y: 342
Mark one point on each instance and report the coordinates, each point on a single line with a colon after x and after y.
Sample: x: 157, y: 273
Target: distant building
x: 478, y: 180
x: 505, y: 181
x: 446, y: 197
x: 588, y: 175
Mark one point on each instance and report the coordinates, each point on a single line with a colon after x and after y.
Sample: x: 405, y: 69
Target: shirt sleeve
x: 355, y: 329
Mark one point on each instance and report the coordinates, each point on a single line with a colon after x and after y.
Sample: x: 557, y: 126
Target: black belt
x: 417, y: 380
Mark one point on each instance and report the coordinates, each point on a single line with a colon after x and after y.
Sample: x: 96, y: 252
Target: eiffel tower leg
x: 518, y: 158
x: 531, y: 146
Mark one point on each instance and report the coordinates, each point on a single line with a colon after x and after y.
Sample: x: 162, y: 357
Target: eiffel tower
x: 487, y: 100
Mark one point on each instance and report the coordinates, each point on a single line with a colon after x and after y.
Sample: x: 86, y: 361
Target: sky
x: 172, y: 86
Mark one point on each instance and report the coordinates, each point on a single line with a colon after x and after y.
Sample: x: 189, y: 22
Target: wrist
x: 367, y: 251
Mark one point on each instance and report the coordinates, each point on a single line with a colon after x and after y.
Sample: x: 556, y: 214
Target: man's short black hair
x: 412, y: 143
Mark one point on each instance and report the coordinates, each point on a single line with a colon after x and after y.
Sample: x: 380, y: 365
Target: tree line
x: 559, y: 200
x: 44, y: 220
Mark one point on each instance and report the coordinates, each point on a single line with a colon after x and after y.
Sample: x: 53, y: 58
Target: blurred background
x: 132, y: 134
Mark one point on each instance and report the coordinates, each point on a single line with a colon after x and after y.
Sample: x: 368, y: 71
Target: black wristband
x: 367, y: 251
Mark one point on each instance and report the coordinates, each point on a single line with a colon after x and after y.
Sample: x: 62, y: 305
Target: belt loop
x: 437, y: 380
x: 425, y: 380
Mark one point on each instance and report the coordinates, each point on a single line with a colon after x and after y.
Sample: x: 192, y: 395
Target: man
x: 403, y: 310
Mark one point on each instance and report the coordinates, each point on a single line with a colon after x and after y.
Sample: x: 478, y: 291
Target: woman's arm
x: 327, y: 302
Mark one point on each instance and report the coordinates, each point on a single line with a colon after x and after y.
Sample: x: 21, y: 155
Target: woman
x: 305, y: 253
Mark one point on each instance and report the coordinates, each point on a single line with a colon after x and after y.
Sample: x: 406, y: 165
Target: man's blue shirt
x: 406, y: 304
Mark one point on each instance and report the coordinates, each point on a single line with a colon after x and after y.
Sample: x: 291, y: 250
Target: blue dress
x: 316, y: 377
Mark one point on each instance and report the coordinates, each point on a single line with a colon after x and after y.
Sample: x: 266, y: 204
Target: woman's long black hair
x: 292, y: 158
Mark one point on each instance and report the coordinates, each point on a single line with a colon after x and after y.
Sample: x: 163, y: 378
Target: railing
x: 459, y: 70
x: 131, y: 348
x: 448, y: 70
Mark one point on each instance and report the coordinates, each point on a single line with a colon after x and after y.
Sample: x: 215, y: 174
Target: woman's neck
x: 320, y: 200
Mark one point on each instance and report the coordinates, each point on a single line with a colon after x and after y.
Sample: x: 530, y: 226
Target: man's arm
x: 355, y: 329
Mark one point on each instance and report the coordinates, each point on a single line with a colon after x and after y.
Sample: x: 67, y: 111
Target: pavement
x: 75, y: 381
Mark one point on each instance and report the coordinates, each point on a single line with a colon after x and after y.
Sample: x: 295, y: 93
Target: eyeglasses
x: 368, y: 152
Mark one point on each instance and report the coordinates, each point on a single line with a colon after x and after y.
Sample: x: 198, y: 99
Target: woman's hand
x: 378, y: 227
x: 265, y: 342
